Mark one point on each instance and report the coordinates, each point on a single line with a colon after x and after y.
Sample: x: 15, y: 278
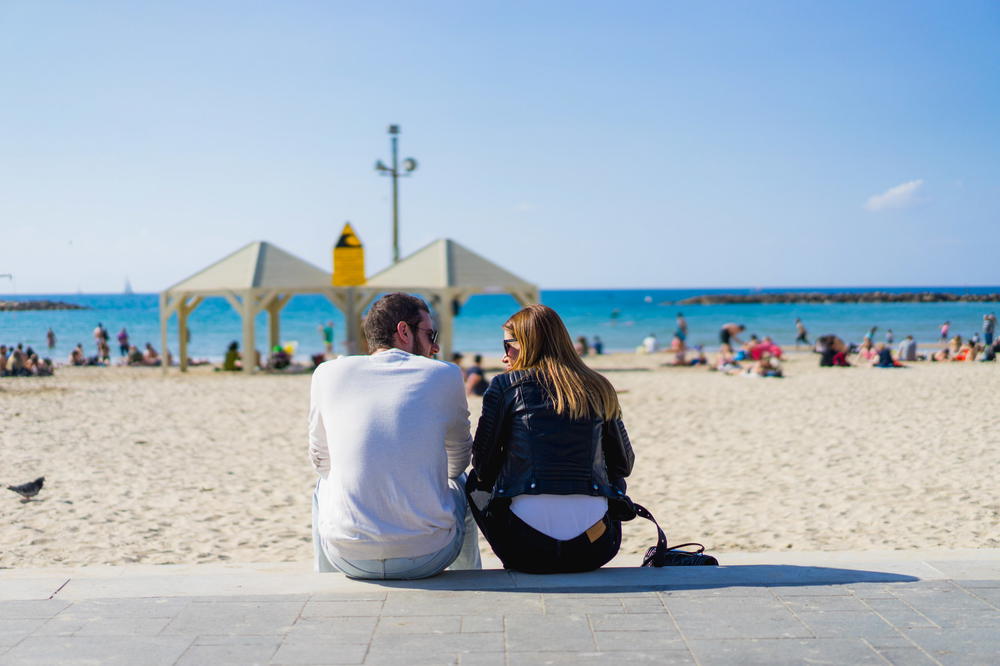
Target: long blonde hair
x: 545, y: 346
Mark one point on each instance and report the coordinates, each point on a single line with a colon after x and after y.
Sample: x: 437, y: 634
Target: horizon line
x: 789, y: 288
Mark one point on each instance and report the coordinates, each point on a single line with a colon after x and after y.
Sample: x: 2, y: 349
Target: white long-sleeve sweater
x: 386, y: 432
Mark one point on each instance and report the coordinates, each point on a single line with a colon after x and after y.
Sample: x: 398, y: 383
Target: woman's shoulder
x: 508, y: 380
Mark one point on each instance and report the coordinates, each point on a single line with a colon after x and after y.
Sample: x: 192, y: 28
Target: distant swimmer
x: 616, y: 313
x: 801, y: 333
x: 729, y: 333
x: 682, y: 327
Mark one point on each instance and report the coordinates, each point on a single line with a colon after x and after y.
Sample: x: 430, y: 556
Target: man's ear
x: 404, y: 334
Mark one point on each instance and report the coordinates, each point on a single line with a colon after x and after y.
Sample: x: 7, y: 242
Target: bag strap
x: 661, y: 538
x: 660, y: 548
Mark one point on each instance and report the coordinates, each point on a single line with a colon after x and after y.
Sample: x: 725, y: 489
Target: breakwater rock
x: 843, y: 297
x: 11, y: 306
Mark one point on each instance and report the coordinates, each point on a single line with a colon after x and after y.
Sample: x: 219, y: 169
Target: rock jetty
x: 10, y: 306
x: 843, y: 297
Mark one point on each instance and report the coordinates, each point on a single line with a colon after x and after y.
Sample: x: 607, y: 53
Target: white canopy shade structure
x: 262, y: 277
x: 256, y: 278
x: 447, y: 273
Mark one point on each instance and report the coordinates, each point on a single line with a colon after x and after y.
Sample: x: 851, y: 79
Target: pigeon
x: 30, y: 489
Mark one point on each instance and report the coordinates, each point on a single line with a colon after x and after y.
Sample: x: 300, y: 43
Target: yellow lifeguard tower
x: 348, y: 259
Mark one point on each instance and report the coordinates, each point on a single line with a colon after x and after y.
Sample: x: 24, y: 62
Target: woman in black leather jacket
x: 550, y: 453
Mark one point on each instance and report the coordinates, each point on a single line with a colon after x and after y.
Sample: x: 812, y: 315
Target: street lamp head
x: 410, y: 164
x: 379, y: 166
x: 393, y: 129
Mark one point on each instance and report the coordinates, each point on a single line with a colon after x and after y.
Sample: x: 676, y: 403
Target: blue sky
x: 585, y: 144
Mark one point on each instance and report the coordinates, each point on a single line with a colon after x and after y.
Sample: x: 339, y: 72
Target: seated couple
x: 389, y: 436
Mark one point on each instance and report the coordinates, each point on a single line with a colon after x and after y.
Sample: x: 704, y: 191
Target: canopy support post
x: 248, y: 313
x: 164, y: 317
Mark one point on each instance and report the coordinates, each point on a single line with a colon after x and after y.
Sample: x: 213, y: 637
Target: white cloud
x: 899, y: 196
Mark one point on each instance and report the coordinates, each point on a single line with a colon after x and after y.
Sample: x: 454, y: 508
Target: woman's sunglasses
x: 506, y: 345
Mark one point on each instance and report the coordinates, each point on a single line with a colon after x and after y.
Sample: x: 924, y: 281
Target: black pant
x: 523, y: 548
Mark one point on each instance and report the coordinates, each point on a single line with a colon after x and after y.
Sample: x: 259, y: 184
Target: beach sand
x: 206, y: 467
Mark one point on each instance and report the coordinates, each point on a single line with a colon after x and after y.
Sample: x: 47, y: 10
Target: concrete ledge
x: 744, y: 569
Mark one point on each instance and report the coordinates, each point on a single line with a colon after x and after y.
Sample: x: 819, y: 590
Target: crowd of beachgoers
x: 754, y: 357
x: 20, y: 361
x: 762, y: 357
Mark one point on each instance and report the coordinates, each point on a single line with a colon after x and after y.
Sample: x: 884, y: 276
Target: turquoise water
x: 622, y: 318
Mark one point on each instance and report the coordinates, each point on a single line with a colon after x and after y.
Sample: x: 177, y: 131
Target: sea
x: 620, y: 317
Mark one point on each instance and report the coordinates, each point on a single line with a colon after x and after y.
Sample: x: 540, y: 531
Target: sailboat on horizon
x: 128, y: 287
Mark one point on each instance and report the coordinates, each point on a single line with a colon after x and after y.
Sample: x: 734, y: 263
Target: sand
x: 206, y: 467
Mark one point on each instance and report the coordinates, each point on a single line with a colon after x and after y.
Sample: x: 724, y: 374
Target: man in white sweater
x: 389, y: 436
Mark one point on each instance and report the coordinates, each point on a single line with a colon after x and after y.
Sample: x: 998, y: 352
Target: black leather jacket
x: 523, y: 446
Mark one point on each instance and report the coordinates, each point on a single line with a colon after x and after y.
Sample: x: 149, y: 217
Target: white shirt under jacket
x: 386, y: 432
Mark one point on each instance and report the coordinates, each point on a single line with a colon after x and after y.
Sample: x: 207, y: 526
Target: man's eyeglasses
x: 506, y: 345
x: 431, y: 333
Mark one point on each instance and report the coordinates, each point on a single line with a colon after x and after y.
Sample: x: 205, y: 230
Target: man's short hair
x: 380, y: 323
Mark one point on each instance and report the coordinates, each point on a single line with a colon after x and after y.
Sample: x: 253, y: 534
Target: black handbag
x: 624, y: 509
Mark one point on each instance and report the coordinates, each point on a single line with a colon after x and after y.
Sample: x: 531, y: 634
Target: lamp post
x: 409, y: 165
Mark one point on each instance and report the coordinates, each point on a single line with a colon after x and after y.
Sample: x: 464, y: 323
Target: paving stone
x: 593, y: 596
x: 236, y: 650
x: 627, y: 641
x: 898, y: 613
x: 838, y: 603
x: 722, y: 591
x: 346, y: 630
x: 482, y: 659
x: 342, y: 608
x: 424, y: 645
x: 950, y: 597
x: 643, y: 605
x: 237, y: 618
x: 897, y: 640
x: 212, y: 639
x: 560, y: 607
x: 728, y: 618
x: 464, y: 603
x: 36, y: 608
x: 768, y: 652
x: 478, y: 624
x: 871, y: 590
x: 569, y: 633
x: 847, y: 624
x: 785, y: 591
x: 103, y: 626
x: 13, y: 630
x: 975, y: 584
x: 906, y: 656
x: 103, y: 650
x: 109, y: 608
x: 667, y: 657
x: 374, y: 594
x: 317, y: 651
x: 245, y: 598
x: 980, y: 645
x: 633, y: 622
x: 380, y: 658
x: 419, y: 624
x: 555, y: 605
x: 990, y: 595
x: 960, y: 617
